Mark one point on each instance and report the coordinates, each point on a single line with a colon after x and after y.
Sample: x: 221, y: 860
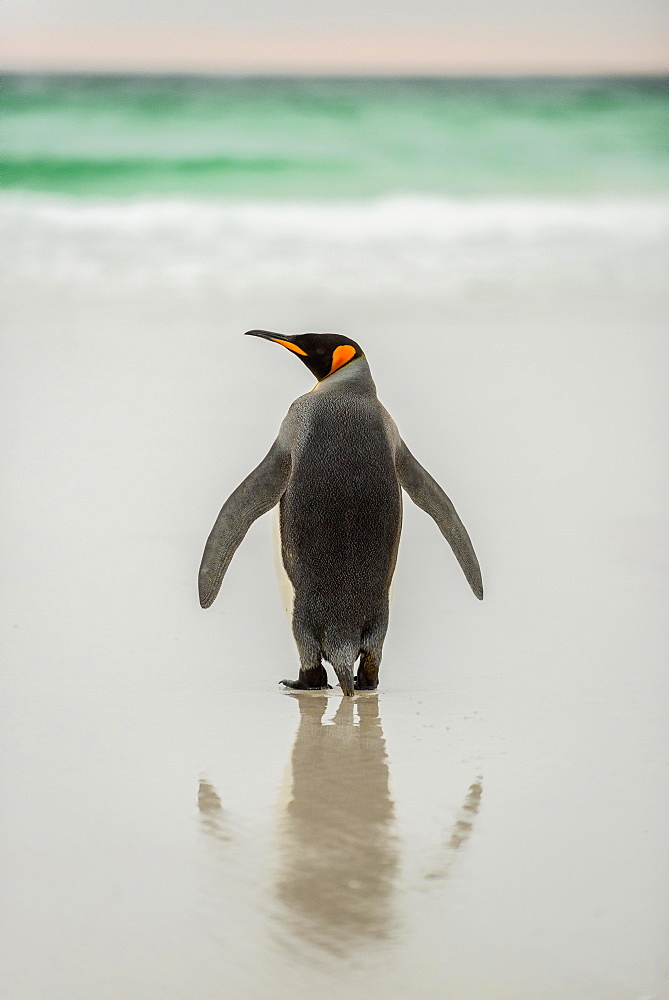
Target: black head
x: 322, y: 353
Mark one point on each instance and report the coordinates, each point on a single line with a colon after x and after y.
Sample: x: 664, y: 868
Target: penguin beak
x: 265, y: 334
x: 277, y: 338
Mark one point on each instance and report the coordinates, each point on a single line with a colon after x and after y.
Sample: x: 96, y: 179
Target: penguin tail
x: 343, y: 659
x: 345, y: 677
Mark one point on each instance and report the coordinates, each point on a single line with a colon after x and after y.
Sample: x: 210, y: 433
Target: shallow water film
x: 492, y: 823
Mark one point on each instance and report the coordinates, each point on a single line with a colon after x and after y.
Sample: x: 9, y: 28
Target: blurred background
x: 480, y: 197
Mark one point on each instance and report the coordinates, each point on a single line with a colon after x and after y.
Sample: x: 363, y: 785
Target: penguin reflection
x: 459, y: 834
x: 337, y: 851
x: 338, y: 856
x: 212, y: 814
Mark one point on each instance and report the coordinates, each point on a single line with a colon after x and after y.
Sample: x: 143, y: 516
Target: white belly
x: 285, y: 586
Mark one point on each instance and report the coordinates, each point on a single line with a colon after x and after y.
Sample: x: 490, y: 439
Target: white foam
x: 434, y: 218
x: 372, y: 244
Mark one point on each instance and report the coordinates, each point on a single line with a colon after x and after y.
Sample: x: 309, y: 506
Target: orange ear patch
x: 291, y: 347
x: 340, y: 356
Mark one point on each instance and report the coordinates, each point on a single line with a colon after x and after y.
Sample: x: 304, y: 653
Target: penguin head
x: 322, y: 353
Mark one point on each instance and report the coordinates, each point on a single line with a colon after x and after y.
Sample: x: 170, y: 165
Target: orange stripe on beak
x: 340, y: 356
x: 291, y: 347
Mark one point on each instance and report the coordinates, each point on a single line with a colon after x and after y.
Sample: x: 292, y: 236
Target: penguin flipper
x: 427, y: 494
x: 258, y: 493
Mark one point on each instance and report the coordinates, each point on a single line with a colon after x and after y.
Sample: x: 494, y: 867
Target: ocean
x: 334, y: 138
x: 377, y: 183
x: 492, y: 823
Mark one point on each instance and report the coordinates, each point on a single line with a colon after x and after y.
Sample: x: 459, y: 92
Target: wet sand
x: 492, y: 823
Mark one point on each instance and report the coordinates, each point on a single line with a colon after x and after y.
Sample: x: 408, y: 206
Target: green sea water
x: 296, y: 138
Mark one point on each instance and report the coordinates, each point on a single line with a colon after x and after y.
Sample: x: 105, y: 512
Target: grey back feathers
x: 336, y: 468
x: 341, y: 516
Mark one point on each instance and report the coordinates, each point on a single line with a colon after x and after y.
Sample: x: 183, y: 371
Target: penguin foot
x: 300, y: 685
x: 364, y: 683
x: 367, y: 678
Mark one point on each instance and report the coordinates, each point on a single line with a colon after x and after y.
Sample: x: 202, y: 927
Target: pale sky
x: 256, y: 36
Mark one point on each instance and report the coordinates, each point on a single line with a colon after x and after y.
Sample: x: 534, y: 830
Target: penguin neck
x: 353, y: 377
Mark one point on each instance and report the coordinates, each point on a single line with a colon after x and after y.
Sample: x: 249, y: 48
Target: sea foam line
x: 390, y: 218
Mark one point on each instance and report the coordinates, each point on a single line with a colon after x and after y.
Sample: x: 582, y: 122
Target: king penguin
x: 337, y: 470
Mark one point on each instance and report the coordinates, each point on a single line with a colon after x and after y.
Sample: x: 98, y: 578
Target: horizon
x: 656, y: 75
x: 619, y: 47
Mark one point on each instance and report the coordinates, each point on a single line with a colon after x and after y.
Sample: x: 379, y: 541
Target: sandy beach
x: 493, y: 823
